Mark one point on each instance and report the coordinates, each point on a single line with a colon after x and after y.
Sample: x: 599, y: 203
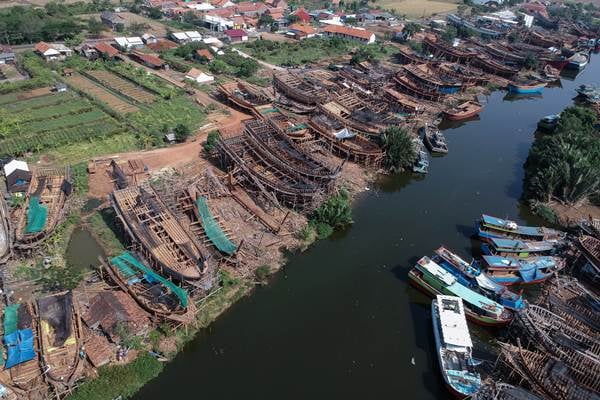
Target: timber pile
x: 265, y: 162
x: 49, y: 190
x: 548, y: 376
x: 160, y: 239
x: 573, y: 302
x: 502, y: 391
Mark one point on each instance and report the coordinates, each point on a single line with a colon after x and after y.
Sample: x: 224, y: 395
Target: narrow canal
x: 340, y: 321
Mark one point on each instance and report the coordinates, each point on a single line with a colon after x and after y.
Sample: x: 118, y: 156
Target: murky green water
x: 83, y: 250
x: 340, y: 321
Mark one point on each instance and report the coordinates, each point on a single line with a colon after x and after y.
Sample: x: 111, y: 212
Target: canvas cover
x: 56, y: 317
x: 212, y: 228
x: 19, y: 345
x: 36, y: 216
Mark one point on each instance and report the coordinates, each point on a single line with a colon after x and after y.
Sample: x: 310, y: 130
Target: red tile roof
x: 106, y: 48
x: 205, y: 53
x: 352, y: 32
x: 149, y: 59
x: 42, y: 47
x: 235, y: 32
x: 161, y: 45
x: 302, y: 15
x: 306, y: 29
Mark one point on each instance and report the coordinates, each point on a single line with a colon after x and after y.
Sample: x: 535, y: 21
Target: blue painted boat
x: 526, y: 88
x: 511, y: 271
x: 493, y: 227
x: 549, y: 122
x: 471, y: 275
x: 454, y: 346
x: 517, y: 248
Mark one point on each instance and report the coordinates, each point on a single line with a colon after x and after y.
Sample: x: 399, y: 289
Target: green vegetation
x: 119, y: 380
x: 80, y: 179
x: 211, y: 141
x: 142, y: 78
x: 369, y: 53
x: 565, y: 166
x: 308, y: 50
x: 103, y: 224
x: 156, y: 119
x: 35, y: 66
x: 182, y: 132
x: 400, y: 151
x: 262, y: 273
x: 232, y: 63
x: 332, y: 214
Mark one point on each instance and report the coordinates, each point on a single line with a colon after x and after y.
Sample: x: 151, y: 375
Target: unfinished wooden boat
x: 268, y: 136
x: 407, y: 85
x: 155, y: 294
x: 445, y: 50
x: 44, y: 206
x: 343, y: 142
x: 23, y: 360
x: 60, y: 339
x: 590, y: 226
x: 245, y: 95
x: 162, y: 241
x: 549, y: 376
x: 401, y: 101
x: 434, y: 139
x: 454, y: 346
x: 295, y: 87
x: 591, y: 250
x: 344, y: 115
x: 5, y: 232
x: 467, y: 74
x: 463, y: 111
x: 494, y: 227
x: 492, y: 66
x: 573, y: 302
x: 433, y: 79
x: 435, y: 280
x: 262, y: 173
x: 503, y: 391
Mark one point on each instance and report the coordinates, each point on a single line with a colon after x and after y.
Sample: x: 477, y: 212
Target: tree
x: 410, y: 29
x: 399, y: 147
x: 265, y: 20
x: 182, y: 132
x: 530, y: 61
x: 449, y: 34
x: 94, y: 27
x: 75, y: 40
x: 137, y: 28
x: 155, y: 13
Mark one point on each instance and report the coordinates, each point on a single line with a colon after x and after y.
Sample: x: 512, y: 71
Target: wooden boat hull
x: 460, y: 117
x: 429, y: 290
x: 5, y: 232
x: 526, y: 89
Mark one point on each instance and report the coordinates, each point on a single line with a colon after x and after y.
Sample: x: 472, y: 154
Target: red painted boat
x: 465, y: 110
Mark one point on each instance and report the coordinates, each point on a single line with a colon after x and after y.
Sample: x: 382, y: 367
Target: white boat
x: 454, y: 346
x: 578, y: 61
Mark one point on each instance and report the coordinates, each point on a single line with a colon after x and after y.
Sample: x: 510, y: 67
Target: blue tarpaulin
x: 20, y: 347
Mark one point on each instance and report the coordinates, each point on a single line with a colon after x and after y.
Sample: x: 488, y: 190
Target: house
x: 277, y: 4
x: 106, y: 50
x: 17, y: 176
x: 301, y: 31
x: 186, y: 37
x: 111, y: 308
x: 112, y: 20
x: 7, y: 55
x: 346, y: 32
x: 213, y: 42
x: 149, y: 38
x: 277, y: 15
x: 149, y: 60
x: 236, y: 35
x: 88, y: 51
x: 198, y: 76
x: 162, y: 45
x: 301, y: 15
x: 202, y: 54
x: 53, y: 52
x: 59, y: 87
x: 129, y: 43
x: 251, y: 9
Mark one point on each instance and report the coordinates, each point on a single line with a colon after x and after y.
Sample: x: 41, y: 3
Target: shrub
x: 262, y: 273
x: 211, y: 141
x: 399, y: 146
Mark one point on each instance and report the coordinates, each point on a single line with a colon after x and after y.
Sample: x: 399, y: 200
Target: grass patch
x: 103, y: 225
x: 306, y: 51
x: 418, y: 8
x: 119, y: 380
x: 80, y: 178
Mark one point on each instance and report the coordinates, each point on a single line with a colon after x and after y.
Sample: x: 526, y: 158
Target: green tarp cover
x: 125, y: 269
x: 297, y: 127
x: 135, y: 263
x: 269, y: 110
x: 36, y: 216
x: 10, y: 319
x: 212, y: 228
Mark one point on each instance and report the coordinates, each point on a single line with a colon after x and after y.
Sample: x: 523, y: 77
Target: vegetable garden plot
x: 101, y: 94
x: 123, y: 86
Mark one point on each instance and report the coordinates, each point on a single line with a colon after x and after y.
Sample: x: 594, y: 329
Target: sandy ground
x: 156, y: 28
x: 570, y: 216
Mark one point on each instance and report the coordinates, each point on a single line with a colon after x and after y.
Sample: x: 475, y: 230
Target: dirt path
x: 263, y: 63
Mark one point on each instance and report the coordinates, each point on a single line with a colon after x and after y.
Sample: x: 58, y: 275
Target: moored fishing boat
x: 493, y: 227
x: 434, y: 139
x: 511, y: 271
x: 517, y: 248
x: 526, y: 88
x: 155, y: 294
x: 577, y: 62
x: 471, y: 275
x: 463, y: 111
x: 549, y: 122
x: 433, y: 280
x: 454, y: 346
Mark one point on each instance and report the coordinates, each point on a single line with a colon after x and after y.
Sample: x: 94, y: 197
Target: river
x: 340, y: 321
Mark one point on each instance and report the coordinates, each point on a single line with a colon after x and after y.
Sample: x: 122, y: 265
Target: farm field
x: 123, y: 86
x: 51, y: 120
x: 82, y: 83
x: 419, y: 8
